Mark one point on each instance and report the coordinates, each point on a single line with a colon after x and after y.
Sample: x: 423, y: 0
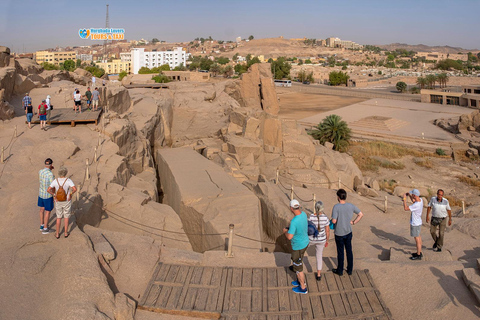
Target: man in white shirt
x: 93, y: 81
x: 415, y: 220
x: 440, y: 208
x: 63, y: 200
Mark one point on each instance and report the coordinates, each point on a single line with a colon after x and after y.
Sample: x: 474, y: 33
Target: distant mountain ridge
x: 424, y: 48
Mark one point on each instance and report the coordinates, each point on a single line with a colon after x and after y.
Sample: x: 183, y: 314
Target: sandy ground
x: 296, y: 105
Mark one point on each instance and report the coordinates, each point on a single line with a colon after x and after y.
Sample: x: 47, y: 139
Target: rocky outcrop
x: 28, y: 67
x: 6, y: 109
x: 116, y: 98
x: 208, y: 200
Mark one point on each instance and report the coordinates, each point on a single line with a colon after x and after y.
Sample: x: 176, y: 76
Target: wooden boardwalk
x: 260, y: 293
x: 67, y: 115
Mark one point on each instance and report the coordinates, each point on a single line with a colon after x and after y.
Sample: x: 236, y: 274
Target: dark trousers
x: 344, y: 243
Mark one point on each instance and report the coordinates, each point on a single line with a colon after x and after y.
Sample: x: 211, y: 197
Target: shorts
x: 29, y: 117
x: 46, y: 203
x: 297, y: 259
x: 415, y: 231
x: 43, y: 117
x: 95, y: 103
x: 88, y: 101
x: 78, y: 103
x: 63, y: 209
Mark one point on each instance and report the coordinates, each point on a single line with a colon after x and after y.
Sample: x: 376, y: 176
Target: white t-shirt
x: 47, y: 101
x: 416, y: 216
x: 77, y: 97
x: 439, y: 209
x: 93, y: 79
x: 320, y: 223
x: 60, y: 181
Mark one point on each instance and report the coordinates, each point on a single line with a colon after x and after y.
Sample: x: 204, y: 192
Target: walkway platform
x: 67, y: 115
x: 260, y: 293
x: 147, y: 85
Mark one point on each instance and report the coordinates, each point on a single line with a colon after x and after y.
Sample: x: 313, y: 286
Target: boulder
x: 7, y: 82
x: 399, y: 191
x: 243, y: 148
x: 124, y: 307
x: 28, y: 67
x: 117, y: 99
x: 269, y: 96
x: 271, y: 132
x: 83, y: 73
x: 7, y: 111
x: 357, y: 182
x: 372, y: 183
x: 208, y: 200
x: 23, y: 84
x: 251, y: 130
x: 366, y: 191
x: 298, y: 151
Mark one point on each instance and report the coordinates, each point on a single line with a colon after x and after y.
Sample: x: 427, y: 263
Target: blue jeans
x: 344, y: 242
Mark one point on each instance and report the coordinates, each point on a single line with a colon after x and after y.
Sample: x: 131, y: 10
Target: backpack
x: 61, y: 194
x: 43, y: 109
x: 312, y: 229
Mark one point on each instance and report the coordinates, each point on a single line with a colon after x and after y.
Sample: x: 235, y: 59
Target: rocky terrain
x: 168, y: 171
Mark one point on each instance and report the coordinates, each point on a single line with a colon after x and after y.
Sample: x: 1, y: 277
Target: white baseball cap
x: 294, y: 204
x: 415, y: 192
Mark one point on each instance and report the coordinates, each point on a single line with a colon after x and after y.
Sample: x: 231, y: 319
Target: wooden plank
x: 341, y: 282
x: 191, y: 295
x: 306, y: 305
x: 246, y: 296
x: 234, y: 303
x: 362, y: 298
x: 163, y: 297
x: 150, y: 284
x: 173, y: 299
x: 388, y: 314
x: 283, y: 299
x: 272, y: 294
x: 185, y: 288
x: 223, y: 279
x: 336, y: 298
x: 207, y: 297
x: 257, y: 294
x: 185, y: 313
x: 227, y: 292
x: 264, y: 289
x: 351, y: 297
x: 315, y: 301
x: 152, y: 296
x: 364, y: 278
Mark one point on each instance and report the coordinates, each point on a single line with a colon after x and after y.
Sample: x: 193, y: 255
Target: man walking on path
x: 440, y: 208
x: 415, y: 220
x: 88, y: 94
x: 42, y: 114
x: 95, y: 99
x: 63, y: 199
x: 342, y: 214
x: 26, y: 101
x: 297, y: 233
x: 45, y: 200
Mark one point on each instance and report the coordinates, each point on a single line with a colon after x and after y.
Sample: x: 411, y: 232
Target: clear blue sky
x: 40, y: 24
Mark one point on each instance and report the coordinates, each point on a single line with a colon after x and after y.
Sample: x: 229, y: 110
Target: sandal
x: 318, y: 277
x: 66, y: 235
x: 57, y: 236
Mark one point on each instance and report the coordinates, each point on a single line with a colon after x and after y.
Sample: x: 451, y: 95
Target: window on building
x: 477, y: 91
x: 473, y: 103
x: 455, y: 101
x: 436, y: 99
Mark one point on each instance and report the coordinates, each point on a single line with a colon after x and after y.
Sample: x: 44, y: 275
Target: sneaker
x: 336, y: 271
x: 435, y: 245
x: 300, y: 290
x: 291, y: 268
x: 414, y: 254
x: 41, y: 227
x: 295, y: 283
x: 45, y: 231
x: 349, y: 273
x: 438, y: 249
x: 318, y: 277
x: 417, y: 257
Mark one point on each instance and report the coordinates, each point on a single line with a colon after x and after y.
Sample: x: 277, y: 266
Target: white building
x: 151, y: 59
x: 85, y: 57
x: 126, y: 56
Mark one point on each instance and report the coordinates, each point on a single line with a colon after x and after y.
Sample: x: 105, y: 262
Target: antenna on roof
x: 107, y: 26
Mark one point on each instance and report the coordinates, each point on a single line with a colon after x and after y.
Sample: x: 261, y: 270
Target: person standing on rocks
x: 297, y: 233
x: 45, y: 199
x: 29, y: 113
x: 62, y: 190
x: 415, y: 220
x: 93, y: 81
x: 440, y: 208
x: 42, y: 114
x: 321, y: 222
x: 88, y: 95
x: 342, y: 214
x: 26, y: 101
x: 78, y: 101
x: 95, y: 99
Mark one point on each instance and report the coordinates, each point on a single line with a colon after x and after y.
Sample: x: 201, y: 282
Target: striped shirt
x: 46, y: 177
x: 321, y: 222
x: 26, y: 101
x: 439, y: 209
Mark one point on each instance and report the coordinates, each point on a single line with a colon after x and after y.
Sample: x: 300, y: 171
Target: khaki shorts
x: 95, y: 103
x: 63, y: 209
x: 297, y: 259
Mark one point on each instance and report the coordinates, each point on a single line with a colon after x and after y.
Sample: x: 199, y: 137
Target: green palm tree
x: 442, y: 79
x: 422, y: 82
x: 431, y: 79
x: 333, y: 129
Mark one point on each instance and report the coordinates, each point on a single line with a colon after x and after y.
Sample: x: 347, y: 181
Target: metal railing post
x: 229, y: 253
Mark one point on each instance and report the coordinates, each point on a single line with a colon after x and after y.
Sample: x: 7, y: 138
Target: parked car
x: 306, y: 82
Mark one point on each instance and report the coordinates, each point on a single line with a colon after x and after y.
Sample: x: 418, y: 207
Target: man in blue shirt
x: 26, y: 101
x: 297, y: 233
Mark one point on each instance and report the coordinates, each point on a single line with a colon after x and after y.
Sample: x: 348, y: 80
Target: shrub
x: 333, y: 129
x: 440, y: 152
x: 401, y: 86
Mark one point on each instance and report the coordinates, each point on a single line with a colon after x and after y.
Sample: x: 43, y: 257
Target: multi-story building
x: 469, y: 96
x: 126, y: 56
x: 437, y: 56
x: 85, y: 57
x: 115, y: 67
x: 151, y: 59
x: 55, y: 58
x: 330, y: 42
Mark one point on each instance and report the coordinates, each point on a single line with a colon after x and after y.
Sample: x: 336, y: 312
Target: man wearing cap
x: 42, y: 114
x: 415, y: 220
x: 297, y: 233
x: 440, y: 208
x: 45, y: 199
x: 342, y: 214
